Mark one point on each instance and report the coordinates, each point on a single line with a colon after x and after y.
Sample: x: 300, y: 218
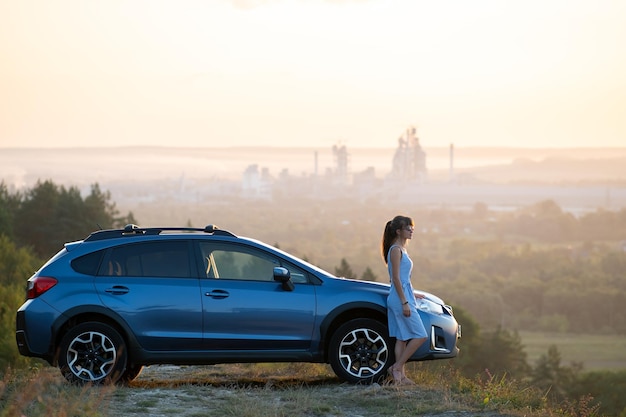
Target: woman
x: 404, y: 321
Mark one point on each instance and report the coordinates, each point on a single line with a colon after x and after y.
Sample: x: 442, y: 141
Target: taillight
x: 39, y: 285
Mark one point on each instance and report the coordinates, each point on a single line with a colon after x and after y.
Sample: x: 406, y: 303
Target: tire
x: 131, y: 373
x: 92, y: 353
x: 360, y: 351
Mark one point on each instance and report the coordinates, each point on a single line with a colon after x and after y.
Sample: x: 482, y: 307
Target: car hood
x: 384, y: 287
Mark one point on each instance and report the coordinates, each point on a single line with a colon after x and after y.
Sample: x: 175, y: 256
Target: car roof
x: 134, y: 230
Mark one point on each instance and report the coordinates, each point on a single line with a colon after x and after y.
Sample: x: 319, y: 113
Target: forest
x: 538, y: 268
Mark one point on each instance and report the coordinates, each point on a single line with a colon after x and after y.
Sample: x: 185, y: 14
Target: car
x: 106, y: 306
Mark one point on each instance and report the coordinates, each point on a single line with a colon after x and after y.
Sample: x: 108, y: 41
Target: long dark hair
x: 390, y: 232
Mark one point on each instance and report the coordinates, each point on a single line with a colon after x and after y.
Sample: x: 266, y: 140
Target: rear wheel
x: 92, y: 353
x: 361, y: 351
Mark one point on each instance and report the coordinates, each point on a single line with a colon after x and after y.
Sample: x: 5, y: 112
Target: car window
x: 236, y: 264
x: 224, y: 261
x: 88, y: 264
x: 149, y: 259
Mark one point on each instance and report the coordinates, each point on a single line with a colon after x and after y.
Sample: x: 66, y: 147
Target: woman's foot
x: 396, y: 374
x: 407, y: 381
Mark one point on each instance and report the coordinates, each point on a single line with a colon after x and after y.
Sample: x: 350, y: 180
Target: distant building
x: 340, y: 173
x: 408, y: 169
x: 256, y: 184
x: 409, y: 160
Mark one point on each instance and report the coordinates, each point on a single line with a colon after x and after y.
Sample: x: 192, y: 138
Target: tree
x: 37, y: 222
x: 368, y: 275
x: 606, y: 388
x: 8, y: 206
x: 49, y: 215
x: 16, y: 266
x: 469, y: 347
x: 344, y: 270
x: 99, y: 211
x: 549, y: 376
x: 500, y: 352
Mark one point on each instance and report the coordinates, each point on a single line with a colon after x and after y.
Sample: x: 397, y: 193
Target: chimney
x: 451, y: 162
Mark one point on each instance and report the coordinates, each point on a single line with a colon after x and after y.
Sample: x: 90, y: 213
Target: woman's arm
x: 395, y: 257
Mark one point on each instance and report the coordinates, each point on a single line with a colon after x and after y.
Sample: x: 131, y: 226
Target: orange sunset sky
x: 209, y: 73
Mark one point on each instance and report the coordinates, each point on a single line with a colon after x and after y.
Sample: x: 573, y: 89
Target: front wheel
x: 131, y: 373
x: 361, y: 351
x: 92, y: 353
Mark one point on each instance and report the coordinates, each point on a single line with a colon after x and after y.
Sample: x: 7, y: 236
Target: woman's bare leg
x: 403, y: 351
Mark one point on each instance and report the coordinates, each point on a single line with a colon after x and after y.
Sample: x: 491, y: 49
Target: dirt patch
x: 291, y: 390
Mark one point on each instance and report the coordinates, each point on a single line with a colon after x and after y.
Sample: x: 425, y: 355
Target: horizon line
x: 308, y: 147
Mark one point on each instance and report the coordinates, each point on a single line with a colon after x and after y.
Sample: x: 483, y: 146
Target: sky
x: 219, y: 73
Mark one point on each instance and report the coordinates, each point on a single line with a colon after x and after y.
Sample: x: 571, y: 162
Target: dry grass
x: 276, y: 390
x: 260, y: 390
x: 44, y: 393
x: 268, y: 391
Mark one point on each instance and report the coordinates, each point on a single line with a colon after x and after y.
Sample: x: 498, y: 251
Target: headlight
x: 428, y: 306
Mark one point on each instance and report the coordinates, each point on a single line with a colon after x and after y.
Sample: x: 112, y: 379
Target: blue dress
x: 401, y: 327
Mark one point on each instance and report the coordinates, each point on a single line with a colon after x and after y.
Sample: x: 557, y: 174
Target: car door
x: 246, y: 309
x: 154, y: 288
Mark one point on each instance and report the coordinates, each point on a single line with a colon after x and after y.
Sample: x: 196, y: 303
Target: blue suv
x: 104, y: 307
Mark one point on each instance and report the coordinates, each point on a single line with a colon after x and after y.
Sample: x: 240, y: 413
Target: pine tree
x: 344, y: 270
x: 368, y: 275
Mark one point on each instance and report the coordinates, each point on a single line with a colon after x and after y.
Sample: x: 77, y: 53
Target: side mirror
x: 283, y: 276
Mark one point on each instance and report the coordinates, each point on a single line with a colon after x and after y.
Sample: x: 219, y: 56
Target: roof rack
x: 134, y: 230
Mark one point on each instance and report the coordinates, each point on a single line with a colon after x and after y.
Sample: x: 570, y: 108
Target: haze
x: 201, y: 73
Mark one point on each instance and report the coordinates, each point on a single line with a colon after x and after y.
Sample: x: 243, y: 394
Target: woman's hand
x: 406, y: 310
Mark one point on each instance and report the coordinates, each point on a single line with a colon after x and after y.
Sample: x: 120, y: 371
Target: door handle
x: 217, y: 294
x: 117, y: 290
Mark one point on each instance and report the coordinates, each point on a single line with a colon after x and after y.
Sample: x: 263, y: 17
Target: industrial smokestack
x: 451, y: 162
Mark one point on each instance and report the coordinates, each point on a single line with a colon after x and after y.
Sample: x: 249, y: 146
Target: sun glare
x: 254, y: 72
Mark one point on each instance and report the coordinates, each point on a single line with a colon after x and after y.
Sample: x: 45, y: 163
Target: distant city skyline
x: 290, y: 73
